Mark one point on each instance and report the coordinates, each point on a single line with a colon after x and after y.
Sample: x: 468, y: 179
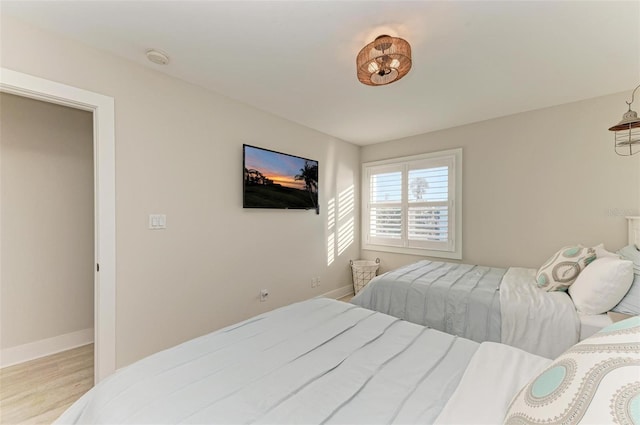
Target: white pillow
x: 601, y: 285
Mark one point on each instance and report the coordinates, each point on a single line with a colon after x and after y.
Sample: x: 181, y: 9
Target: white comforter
x: 540, y: 322
x: 319, y: 361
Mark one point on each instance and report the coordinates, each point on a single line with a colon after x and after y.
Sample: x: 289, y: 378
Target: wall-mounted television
x: 278, y: 180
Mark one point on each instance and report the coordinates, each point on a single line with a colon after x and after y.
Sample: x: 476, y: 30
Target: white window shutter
x: 385, y: 206
x: 410, y: 204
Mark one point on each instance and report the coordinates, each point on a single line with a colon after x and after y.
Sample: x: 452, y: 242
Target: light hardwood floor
x: 37, y: 392
x: 346, y: 298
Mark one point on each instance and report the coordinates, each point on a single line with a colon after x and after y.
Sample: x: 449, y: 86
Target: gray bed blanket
x: 458, y: 299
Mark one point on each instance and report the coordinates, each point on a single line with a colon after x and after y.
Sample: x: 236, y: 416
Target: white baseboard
x: 45, y: 347
x: 339, y: 293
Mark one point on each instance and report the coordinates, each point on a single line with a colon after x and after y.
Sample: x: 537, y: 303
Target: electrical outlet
x: 264, y: 293
x: 317, y: 281
x: 313, y: 282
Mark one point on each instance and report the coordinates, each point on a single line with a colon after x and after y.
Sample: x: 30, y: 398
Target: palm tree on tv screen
x: 310, y: 176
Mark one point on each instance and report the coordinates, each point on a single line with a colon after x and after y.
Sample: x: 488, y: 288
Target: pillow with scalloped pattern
x: 562, y: 269
x: 597, y: 381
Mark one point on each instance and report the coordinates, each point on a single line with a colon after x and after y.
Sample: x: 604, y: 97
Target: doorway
x: 102, y: 108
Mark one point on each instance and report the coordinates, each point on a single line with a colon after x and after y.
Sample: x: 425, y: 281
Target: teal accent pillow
x: 563, y: 268
x: 630, y: 303
x: 597, y: 381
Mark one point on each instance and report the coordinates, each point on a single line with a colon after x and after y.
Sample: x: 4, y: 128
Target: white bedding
x: 592, y: 323
x: 476, y: 400
x: 540, y: 322
x: 319, y: 361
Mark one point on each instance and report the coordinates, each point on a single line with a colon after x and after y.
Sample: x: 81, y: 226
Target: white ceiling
x: 472, y: 60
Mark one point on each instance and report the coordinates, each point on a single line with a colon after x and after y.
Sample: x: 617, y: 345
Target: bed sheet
x: 502, y: 366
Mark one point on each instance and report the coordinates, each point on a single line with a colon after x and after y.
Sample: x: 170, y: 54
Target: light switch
x: 157, y: 221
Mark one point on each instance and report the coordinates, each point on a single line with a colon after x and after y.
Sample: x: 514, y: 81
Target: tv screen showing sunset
x: 277, y: 180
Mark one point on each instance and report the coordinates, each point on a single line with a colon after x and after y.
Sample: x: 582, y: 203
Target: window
x: 413, y: 205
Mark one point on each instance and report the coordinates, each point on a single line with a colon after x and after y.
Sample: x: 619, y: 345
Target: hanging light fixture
x: 627, y: 131
x: 383, y: 61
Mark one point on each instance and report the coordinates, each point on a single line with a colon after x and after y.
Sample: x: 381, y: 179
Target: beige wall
x: 46, y: 227
x: 534, y: 181
x: 179, y: 152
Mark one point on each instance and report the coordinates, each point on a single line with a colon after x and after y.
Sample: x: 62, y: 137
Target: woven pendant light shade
x: 383, y: 61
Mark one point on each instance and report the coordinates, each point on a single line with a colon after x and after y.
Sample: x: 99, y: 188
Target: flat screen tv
x: 278, y: 180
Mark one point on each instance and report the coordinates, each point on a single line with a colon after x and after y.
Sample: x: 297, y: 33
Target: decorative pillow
x: 561, y: 270
x: 595, y: 382
x: 601, y: 251
x: 630, y: 304
x: 631, y: 253
x: 601, y: 285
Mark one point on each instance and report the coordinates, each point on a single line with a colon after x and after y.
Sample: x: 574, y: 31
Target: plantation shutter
x: 385, y: 205
x: 430, y: 204
x: 410, y: 204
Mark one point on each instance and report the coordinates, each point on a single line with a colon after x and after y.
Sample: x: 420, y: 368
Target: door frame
x: 102, y: 107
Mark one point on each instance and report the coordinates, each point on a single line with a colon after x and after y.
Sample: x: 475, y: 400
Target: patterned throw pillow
x: 561, y: 270
x: 597, y: 381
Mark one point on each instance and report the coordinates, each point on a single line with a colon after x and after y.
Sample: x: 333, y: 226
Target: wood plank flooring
x: 38, y: 391
x: 346, y: 298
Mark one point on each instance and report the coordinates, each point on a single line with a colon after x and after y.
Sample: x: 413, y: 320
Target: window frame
x: 404, y: 245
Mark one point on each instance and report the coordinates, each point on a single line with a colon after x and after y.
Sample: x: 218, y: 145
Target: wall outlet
x: 317, y: 281
x: 264, y: 294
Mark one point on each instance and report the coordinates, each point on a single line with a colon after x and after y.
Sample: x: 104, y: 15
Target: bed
x: 490, y: 304
x: 478, y: 303
x: 320, y: 361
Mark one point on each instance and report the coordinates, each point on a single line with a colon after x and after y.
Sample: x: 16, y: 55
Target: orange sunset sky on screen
x: 287, y: 181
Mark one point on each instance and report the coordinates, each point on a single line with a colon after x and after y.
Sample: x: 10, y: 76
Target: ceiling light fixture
x: 157, y: 57
x: 627, y: 131
x: 383, y: 61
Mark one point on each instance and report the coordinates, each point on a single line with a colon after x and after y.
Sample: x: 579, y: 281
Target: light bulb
x: 373, y: 67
